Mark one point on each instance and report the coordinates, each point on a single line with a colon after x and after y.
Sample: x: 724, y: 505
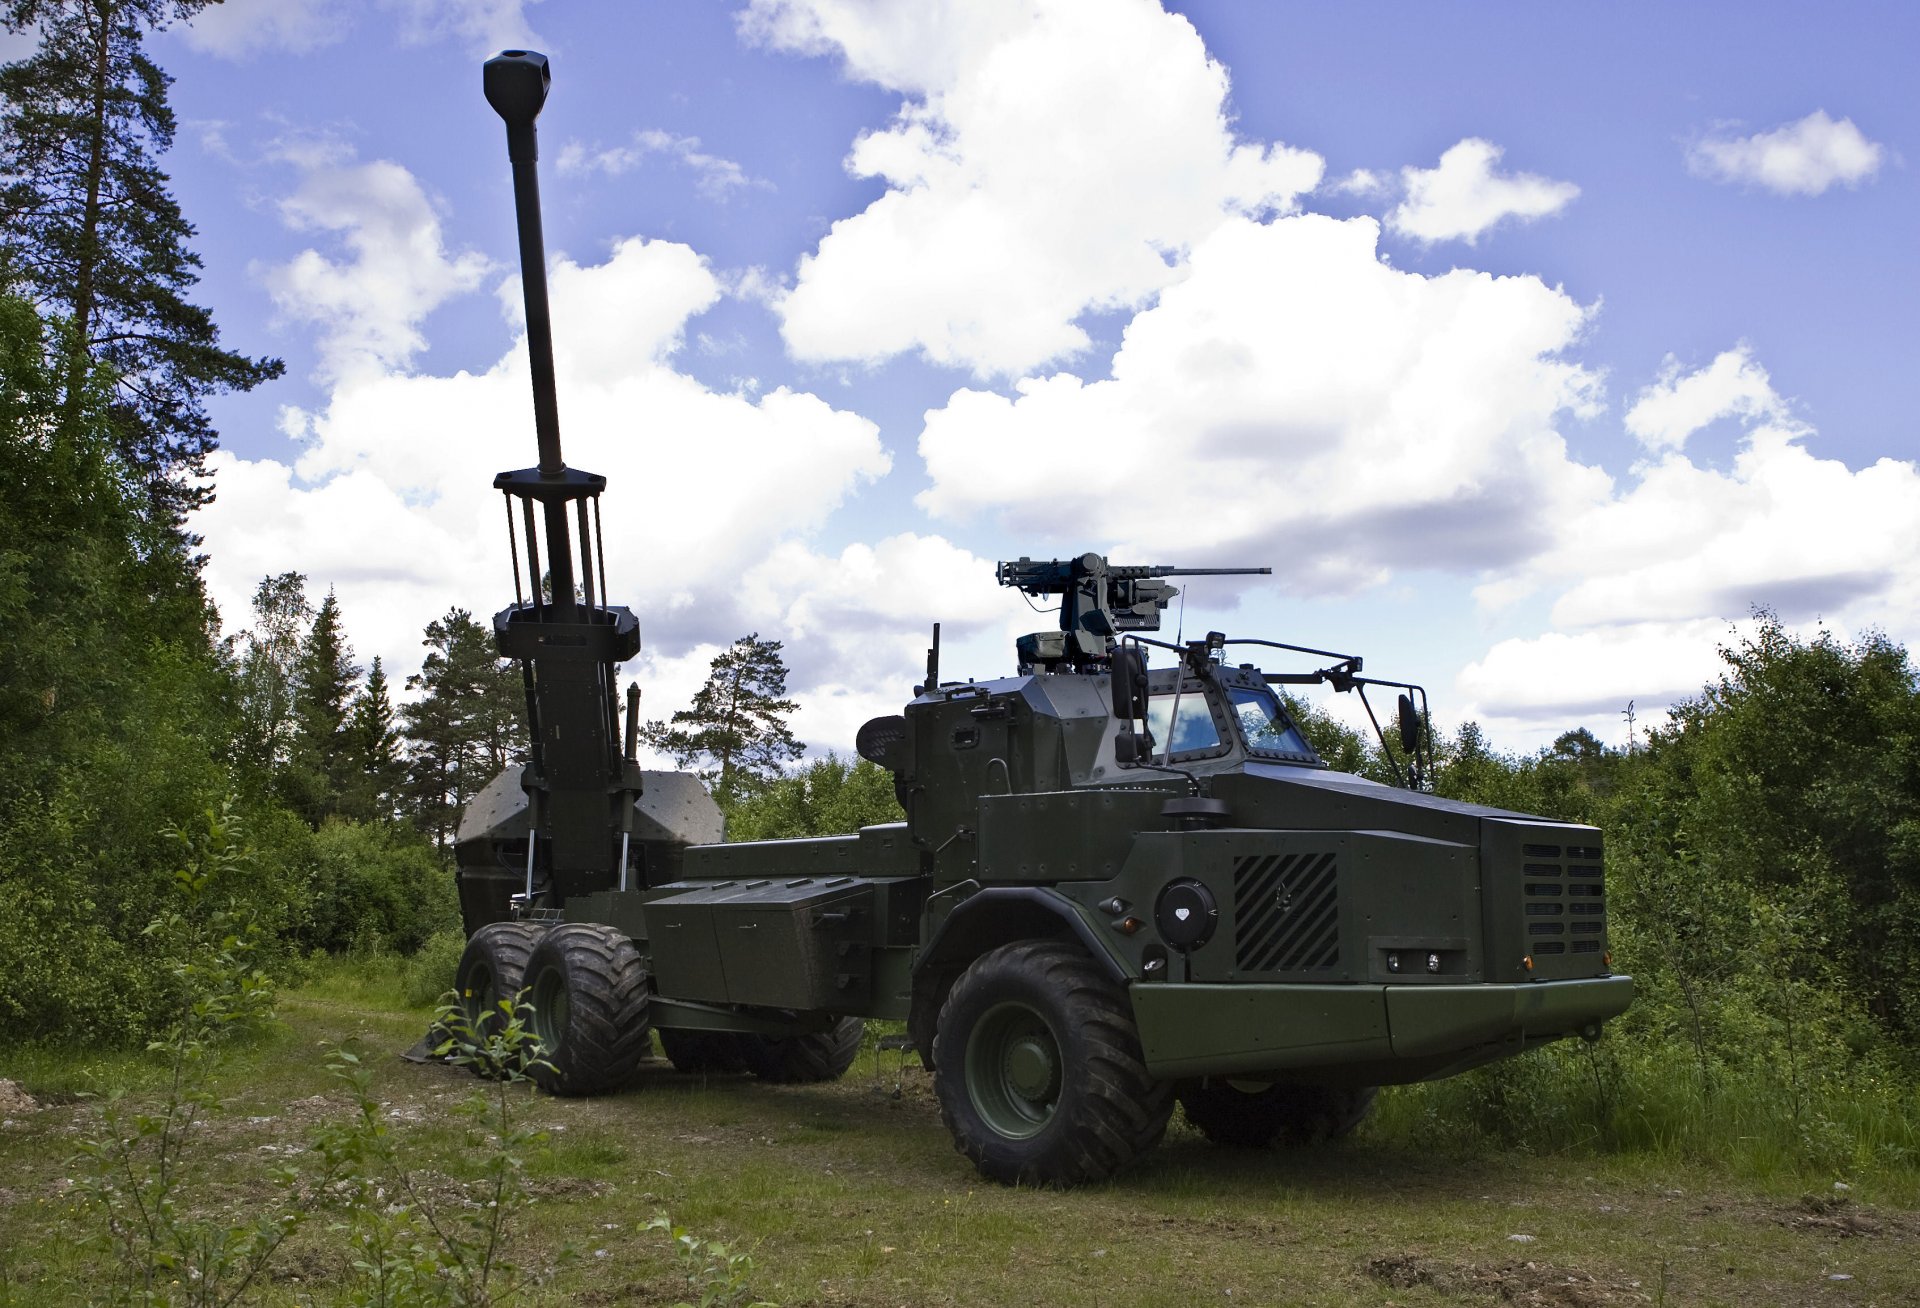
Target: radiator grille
x: 1286, y: 913
x: 1564, y: 898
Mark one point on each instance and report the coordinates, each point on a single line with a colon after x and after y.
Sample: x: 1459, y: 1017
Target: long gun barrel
x: 580, y: 783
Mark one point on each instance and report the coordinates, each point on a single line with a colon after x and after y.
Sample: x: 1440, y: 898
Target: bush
x: 430, y: 972
x: 827, y: 797
x: 374, y: 886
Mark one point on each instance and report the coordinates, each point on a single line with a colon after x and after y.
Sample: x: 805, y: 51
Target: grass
x: 852, y: 1194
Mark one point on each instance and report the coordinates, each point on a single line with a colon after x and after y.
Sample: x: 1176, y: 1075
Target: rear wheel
x: 1039, y: 1071
x: 795, y: 1060
x: 485, y: 983
x: 703, y: 1051
x: 588, y: 990
x: 1251, y: 1114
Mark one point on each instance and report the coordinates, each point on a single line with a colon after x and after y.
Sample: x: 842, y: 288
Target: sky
x: 1531, y: 346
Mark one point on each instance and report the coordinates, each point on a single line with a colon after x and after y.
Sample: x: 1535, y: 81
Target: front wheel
x: 1253, y: 1115
x: 588, y: 991
x: 1039, y: 1070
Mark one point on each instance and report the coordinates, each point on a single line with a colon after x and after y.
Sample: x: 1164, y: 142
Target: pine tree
x: 90, y: 232
x: 319, y: 772
x: 465, y: 725
x: 737, y: 725
x: 377, y: 773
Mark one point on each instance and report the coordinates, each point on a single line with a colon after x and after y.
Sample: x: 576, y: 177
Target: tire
x: 1252, y: 1116
x: 697, y: 1052
x: 490, y: 973
x: 588, y: 989
x: 1038, y: 1069
x: 803, y: 1059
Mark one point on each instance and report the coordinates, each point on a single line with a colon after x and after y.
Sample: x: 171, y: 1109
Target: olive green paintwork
x: 1368, y: 1035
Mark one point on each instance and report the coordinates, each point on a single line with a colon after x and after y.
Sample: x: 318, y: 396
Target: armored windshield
x: 1196, y: 732
x: 1265, y: 725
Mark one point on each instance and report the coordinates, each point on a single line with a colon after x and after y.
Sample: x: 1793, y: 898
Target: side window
x: 1195, y: 730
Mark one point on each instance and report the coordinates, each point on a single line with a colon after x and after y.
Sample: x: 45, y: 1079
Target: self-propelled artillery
x: 1125, y: 879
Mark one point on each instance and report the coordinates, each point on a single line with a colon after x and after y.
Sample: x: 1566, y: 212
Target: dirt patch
x: 15, y: 1102
x: 1839, y: 1216
x: 1530, y: 1284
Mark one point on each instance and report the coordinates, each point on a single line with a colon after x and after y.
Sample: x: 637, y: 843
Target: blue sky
x: 1530, y: 345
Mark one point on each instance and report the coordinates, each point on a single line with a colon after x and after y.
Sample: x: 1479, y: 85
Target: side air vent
x: 1286, y: 913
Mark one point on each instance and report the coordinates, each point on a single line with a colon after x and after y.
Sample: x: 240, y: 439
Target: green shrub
x: 429, y: 973
x: 374, y: 886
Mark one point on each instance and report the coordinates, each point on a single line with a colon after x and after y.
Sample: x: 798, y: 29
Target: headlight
x: 1186, y: 914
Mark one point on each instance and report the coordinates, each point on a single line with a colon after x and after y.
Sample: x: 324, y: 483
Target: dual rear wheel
x: 585, y: 989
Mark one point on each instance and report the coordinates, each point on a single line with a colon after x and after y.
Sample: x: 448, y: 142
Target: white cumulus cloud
x: 366, y: 307
x: 237, y: 29
x: 1647, y: 579
x: 1680, y: 403
x: 1805, y: 157
x: 387, y: 498
x: 715, y: 177
x: 1028, y: 181
x: 1464, y: 197
x: 483, y: 27
x: 1293, y: 401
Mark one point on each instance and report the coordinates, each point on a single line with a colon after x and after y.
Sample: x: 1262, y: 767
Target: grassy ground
x: 851, y: 1194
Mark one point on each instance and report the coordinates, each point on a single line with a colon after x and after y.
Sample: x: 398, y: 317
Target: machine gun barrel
x: 1139, y: 572
x: 1056, y: 576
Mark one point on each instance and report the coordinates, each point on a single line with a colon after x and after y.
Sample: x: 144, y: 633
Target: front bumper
x: 1363, y: 1034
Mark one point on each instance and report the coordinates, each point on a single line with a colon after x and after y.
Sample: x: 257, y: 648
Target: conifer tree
x: 377, y: 771
x: 320, y: 771
x: 89, y: 231
x: 737, y: 726
x: 465, y: 725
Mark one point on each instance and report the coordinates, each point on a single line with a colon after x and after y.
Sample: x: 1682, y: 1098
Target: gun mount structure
x: 1119, y: 887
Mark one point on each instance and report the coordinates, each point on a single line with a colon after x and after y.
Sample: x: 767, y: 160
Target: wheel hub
x: 1014, y: 1071
x: 1030, y: 1068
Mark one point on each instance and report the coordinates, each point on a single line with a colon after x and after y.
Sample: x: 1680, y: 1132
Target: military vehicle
x: 1125, y: 879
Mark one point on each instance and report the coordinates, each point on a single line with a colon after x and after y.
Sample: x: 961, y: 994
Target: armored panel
x: 673, y: 811
x: 1063, y: 835
x: 805, y: 943
x: 676, y: 806
x: 1322, y: 906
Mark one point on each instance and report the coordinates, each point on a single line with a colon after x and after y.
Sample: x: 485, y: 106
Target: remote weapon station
x: 1118, y: 888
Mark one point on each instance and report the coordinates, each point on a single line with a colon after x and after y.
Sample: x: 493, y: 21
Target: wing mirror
x: 1409, y: 726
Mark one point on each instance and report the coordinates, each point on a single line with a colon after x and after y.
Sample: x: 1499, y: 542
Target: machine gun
x: 1098, y: 601
x: 580, y: 784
